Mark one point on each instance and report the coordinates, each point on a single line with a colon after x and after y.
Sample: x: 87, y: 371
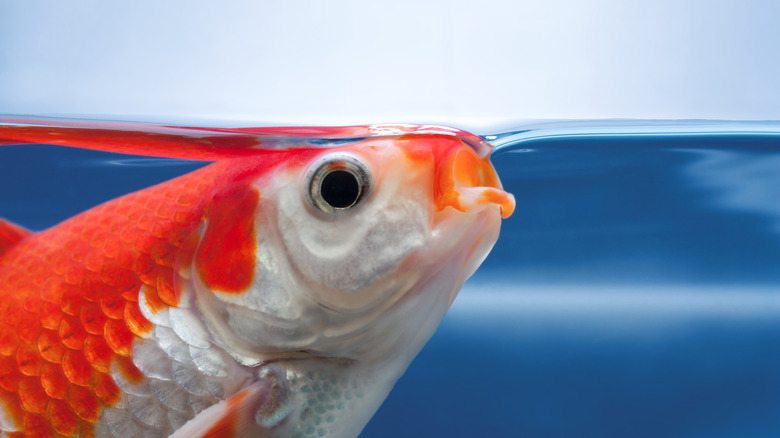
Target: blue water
x: 634, y: 293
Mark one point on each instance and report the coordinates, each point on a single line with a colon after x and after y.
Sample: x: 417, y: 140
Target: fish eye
x: 338, y: 182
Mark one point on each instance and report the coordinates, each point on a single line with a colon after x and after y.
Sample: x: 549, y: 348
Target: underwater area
x: 635, y: 292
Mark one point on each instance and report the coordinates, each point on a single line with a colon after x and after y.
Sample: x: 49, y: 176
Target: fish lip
x: 468, y: 182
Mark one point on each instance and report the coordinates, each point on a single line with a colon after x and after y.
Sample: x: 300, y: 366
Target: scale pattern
x: 69, y: 310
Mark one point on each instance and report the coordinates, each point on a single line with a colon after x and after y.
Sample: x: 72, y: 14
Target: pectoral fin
x: 231, y: 418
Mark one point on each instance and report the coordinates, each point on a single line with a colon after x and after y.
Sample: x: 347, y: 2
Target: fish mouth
x: 469, y: 183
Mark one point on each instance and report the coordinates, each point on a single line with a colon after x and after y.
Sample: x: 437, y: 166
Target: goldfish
x: 279, y: 291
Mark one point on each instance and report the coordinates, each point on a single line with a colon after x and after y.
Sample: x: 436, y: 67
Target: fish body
x: 279, y: 291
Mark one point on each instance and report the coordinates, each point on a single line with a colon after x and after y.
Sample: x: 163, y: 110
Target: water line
x: 583, y: 129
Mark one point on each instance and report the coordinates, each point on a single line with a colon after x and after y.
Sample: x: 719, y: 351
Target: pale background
x: 475, y: 64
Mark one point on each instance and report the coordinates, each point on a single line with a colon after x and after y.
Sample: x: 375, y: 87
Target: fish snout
x: 469, y: 183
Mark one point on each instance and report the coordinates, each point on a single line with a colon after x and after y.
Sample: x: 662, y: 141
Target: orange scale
x: 62, y: 418
x: 51, y: 290
x: 50, y: 316
x: 144, y: 243
x: 12, y: 317
x: 32, y: 304
x: 163, y: 253
x: 128, y: 281
x: 107, y: 218
x: 170, y: 192
x: 94, y: 261
x: 95, y: 289
x: 98, y: 353
x: 112, y: 247
x: 92, y: 318
x: 84, y: 402
x: 9, y: 374
x: 13, y: 277
x: 118, y: 337
x: 61, y: 263
x: 28, y: 328
x: 127, y: 257
x: 76, y: 367
x: 146, y: 270
x: 99, y: 238
x: 128, y: 233
x: 86, y: 430
x: 180, y: 235
x: 74, y: 274
x: 165, y: 210
x: 185, y: 199
x: 50, y: 346
x: 165, y: 287
x: 54, y: 382
x: 110, y: 273
x: 78, y: 252
x: 131, y: 295
x: 72, y: 333
x: 33, y: 265
x: 136, y: 322
x: 28, y: 359
x: 105, y: 388
x: 152, y: 201
x: 147, y: 220
x: 160, y: 231
x: 71, y: 300
x: 182, y: 217
x: 134, y: 215
x: 129, y: 371
x: 123, y: 208
x: 37, y: 426
x: 153, y: 300
x: 112, y: 304
x: 32, y: 396
x: 9, y: 341
x: 89, y: 228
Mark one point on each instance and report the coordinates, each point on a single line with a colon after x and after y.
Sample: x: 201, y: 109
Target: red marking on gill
x: 226, y: 256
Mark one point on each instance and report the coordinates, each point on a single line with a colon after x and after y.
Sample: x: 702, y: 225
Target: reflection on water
x: 740, y: 180
x: 634, y: 293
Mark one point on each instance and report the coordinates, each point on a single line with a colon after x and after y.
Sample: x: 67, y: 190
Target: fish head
x: 355, y: 254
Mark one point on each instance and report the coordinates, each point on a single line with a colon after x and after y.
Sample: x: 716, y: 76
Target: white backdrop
x: 471, y: 64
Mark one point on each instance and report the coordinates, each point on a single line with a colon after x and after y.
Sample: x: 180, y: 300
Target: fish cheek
x: 225, y: 257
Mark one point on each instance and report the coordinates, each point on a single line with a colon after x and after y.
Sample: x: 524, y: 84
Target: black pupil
x: 340, y: 189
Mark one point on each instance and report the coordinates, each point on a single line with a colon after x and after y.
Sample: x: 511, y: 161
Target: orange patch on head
x: 225, y: 258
